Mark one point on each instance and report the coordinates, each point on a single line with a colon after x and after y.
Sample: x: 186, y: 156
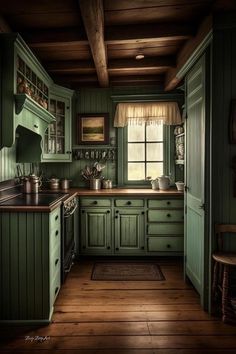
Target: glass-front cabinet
x: 57, y: 138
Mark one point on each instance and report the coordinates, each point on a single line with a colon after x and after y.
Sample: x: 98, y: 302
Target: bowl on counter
x: 180, y: 186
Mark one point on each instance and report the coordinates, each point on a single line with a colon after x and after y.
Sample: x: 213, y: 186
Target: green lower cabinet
x: 30, y: 265
x: 96, y: 231
x: 129, y: 231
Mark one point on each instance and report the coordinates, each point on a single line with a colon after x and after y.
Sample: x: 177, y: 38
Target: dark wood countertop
x: 72, y: 192
x: 127, y: 192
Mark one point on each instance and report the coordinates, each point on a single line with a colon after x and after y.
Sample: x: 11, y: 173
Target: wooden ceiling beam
x: 151, y: 63
x: 148, y: 33
x: 71, y: 66
x: 138, y: 78
x: 56, y: 38
x: 93, y: 19
x: 172, y: 77
x: 75, y: 78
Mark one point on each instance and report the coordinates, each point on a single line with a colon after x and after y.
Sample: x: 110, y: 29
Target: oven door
x: 68, y: 242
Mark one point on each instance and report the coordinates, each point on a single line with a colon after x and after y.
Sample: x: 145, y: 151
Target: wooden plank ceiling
x: 95, y: 42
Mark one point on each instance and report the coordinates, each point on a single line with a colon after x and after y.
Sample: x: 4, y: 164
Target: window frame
x: 168, y: 158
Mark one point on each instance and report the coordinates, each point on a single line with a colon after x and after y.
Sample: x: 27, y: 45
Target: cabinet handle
x: 116, y: 216
x: 36, y: 126
x: 56, y: 290
x: 143, y: 212
x: 95, y: 202
x: 129, y: 203
x: 108, y: 211
x: 56, y: 261
x: 117, y: 211
x: 69, y: 152
x: 56, y: 217
x: 142, y: 248
x: 57, y: 233
x: 168, y: 203
x: 168, y: 215
x: 108, y: 247
x: 117, y: 248
x: 168, y: 246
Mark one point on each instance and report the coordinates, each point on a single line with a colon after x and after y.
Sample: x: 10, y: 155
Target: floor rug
x: 126, y: 271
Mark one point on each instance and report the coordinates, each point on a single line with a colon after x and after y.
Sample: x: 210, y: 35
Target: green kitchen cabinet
x: 129, y: 231
x: 57, y: 142
x: 96, y: 230
x: 24, y: 95
x: 30, y: 265
x: 165, y: 226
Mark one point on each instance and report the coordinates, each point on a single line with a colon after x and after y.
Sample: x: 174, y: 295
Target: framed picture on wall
x: 93, y: 128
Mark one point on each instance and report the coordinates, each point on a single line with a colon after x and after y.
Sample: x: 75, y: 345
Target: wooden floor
x: 125, y: 317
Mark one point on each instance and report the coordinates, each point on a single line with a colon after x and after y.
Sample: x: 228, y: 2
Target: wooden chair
x: 223, y: 261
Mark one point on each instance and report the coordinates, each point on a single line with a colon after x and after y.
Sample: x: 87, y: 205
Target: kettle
x: 155, y: 184
x: 31, y: 184
x: 164, y: 182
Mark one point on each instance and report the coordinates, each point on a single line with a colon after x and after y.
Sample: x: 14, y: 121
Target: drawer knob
x: 143, y: 212
x: 83, y: 211
x: 57, y: 233
x: 168, y: 203
x: 108, y: 247
x: 108, y: 211
x: 142, y: 248
x: 117, y: 211
x: 36, y: 126
x: 95, y: 202
x: 168, y: 215
x: 129, y: 202
x: 168, y: 246
x: 56, y: 261
x: 56, y: 217
x: 116, y: 216
x: 117, y: 248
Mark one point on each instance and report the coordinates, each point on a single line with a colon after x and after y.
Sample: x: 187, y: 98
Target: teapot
x: 155, y: 184
x: 164, y: 182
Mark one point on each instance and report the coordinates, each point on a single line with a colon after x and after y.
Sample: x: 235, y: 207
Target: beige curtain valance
x: 149, y: 112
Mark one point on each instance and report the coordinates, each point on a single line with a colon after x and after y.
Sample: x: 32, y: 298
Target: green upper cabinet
x: 57, y: 144
x: 24, y: 91
x: 33, y: 108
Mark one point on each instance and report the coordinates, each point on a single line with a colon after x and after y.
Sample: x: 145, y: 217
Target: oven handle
x: 70, y: 213
x: 67, y: 270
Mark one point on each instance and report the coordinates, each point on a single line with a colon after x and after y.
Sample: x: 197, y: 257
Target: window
x: 143, y: 152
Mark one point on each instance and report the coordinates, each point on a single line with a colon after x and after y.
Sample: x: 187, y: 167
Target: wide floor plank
x: 124, y: 317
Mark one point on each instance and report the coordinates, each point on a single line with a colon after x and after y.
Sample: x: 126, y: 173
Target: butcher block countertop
x: 112, y: 192
x: 126, y: 192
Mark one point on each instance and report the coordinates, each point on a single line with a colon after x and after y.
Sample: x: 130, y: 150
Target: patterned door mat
x: 127, y: 271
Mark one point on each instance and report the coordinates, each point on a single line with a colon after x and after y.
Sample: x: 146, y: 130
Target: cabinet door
x: 57, y: 139
x: 96, y: 231
x: 129, y: 231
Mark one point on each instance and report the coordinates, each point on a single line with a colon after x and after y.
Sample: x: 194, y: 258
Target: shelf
x: 179, y: 162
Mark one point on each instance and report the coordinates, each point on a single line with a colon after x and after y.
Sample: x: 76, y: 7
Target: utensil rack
x: 92, y: 154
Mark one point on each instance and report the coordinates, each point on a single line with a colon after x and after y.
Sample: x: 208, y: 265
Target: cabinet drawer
x: 129, y: 203
x: 165, y: 229
x: 95, y: 202
x: 55, y: 219
x: 55, y: 261
x: 165, y: 244
x: 55, y: 287
x: 55, y: 238
x: 165, y: 215
x: 165, y: 203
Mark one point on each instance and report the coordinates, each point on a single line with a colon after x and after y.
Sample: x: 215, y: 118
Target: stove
x: 39, y: 199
